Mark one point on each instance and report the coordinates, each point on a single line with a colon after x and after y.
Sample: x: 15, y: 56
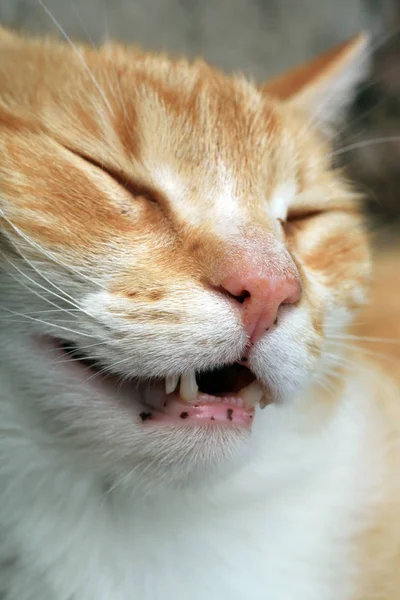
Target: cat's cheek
x: 284, y: 359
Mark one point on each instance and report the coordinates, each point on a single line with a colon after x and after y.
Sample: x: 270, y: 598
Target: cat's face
x: 161, y: 220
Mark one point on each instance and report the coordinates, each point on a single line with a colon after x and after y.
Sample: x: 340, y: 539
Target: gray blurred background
x: 260, y: 38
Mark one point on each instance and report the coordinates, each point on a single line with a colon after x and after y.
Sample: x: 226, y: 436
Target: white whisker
x: 7, y: 319
x: 117, y: 79
x: 18, y: 314
x: 364, y: 144
x: 50, y: 311
x: 364, y: 351
x: 46, y: 253
x: 65, y: 296
x: 71, y: 358
x: 36, y: 293
x: 86, y: 346
x: 94, y: 47
x: 351, y: 366
x: 352, y: 122
x: 79, y: 55
x: 366, y: 338
x: 109, y: 369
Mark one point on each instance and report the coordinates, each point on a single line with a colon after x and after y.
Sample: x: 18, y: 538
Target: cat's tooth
x: 252, y: 394
x: 266, y: 399
x: 188, y: 388
x: 170, y: 383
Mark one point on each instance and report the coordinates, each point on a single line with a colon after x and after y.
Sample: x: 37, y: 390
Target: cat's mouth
x: 224, y: 395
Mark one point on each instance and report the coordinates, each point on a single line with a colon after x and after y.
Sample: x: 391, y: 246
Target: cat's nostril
x: 240, y: 297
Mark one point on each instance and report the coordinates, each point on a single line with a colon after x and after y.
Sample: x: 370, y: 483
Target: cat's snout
x: 259, y: 298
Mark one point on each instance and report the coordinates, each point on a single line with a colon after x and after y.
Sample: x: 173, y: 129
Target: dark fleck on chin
x: 145, y: 415
x: 229, y: 413
x: 184, y: 415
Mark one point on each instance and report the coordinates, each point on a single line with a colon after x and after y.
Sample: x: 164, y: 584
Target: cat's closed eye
x: 298, y: 215
x: 134, y: 188
x: 298, y: 218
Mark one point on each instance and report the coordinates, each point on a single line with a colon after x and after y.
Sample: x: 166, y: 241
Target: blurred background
x: 260, y: 38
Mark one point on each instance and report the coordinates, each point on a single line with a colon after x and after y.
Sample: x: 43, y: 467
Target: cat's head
x: 163, y: 224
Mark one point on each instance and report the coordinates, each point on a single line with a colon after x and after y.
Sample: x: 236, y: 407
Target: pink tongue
x: 202, y: 413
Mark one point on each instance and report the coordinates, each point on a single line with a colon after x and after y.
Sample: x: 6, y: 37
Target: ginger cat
x: 186, y: 408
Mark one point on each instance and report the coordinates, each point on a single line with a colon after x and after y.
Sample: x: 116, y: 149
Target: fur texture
x: 130, y: 185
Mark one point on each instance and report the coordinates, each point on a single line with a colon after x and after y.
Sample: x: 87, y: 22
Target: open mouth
x: 226, y: 395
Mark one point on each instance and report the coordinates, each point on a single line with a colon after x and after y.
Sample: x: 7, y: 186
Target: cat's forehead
x: 210, y: 120
x: 217, y: 141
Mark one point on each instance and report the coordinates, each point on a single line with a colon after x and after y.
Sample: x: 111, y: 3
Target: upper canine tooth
x: 170, y: 383
x: 252, y: 394
x: 266, y: 399
x: 189, y: 388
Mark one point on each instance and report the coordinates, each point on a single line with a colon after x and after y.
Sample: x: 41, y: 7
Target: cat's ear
x: 324, y: 87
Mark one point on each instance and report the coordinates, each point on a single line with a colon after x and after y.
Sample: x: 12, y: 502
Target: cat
x: 189, y: 404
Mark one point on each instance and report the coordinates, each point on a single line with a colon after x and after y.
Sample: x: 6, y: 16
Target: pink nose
x: 259, y: 298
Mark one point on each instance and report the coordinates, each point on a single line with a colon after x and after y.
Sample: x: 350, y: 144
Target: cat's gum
x: 177, y: 412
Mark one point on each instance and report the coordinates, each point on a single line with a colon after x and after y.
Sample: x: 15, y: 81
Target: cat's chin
x: 222, y: 397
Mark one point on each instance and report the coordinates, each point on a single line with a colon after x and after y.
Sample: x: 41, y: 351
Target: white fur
x: 217, y: 205
x: 278, y: 527
x: 94, y: 507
